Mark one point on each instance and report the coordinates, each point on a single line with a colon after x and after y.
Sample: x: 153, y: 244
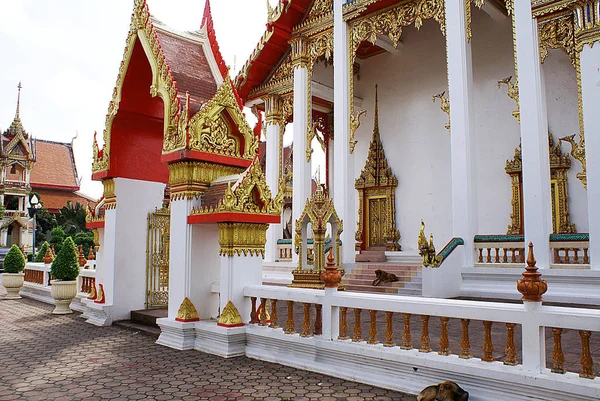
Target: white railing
x: 500, y: 254
x: 525, y: 370
x: 39, y: 274
x: 570, y: 254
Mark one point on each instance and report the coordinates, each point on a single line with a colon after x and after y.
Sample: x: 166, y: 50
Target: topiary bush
x: 57, y: 237
x: 14, y: 261
x: 66, y: 267
x: 39, y: 258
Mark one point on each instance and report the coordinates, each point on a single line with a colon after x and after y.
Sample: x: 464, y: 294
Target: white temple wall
x: 416, y: 143
x: 563, y: 120
x: 206, y: 265
x: 323, y: 74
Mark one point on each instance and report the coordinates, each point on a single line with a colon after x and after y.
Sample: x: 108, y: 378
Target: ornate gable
x: 16, y: 144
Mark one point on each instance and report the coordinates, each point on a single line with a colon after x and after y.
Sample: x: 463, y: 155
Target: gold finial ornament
x: 48, y: 256
x: 81, y: 257
x: 531, y: 285
x: 230, y: 317
x: 578, y: 153
x: 427, y: 249
x: 513, y: 93
x: 187, y: 312
x: 90, y: 255
x: 445, y: 106
x: 331, y: 276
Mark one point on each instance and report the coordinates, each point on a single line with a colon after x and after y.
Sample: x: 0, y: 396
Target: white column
x: 344, y: 194
x: 301, y: 181
x: 460, y: 82
x: 590, y: 82
x: 331, y: 166
x: 180, y: 255
x: 534, y: 135
x: 238, y: 272
x: 273, y: 161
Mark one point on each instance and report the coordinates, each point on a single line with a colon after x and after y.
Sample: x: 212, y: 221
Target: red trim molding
x: 94, y: 224
x: 232, y: 217
x: 207, y: 157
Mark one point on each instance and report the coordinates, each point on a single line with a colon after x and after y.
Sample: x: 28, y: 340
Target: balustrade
x: 500, y: 254
x: 571, y: 255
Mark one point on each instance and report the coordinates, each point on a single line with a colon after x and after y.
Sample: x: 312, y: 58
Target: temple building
x: 454, y: 135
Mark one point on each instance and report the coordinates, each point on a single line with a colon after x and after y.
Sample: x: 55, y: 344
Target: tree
x: 57, y: 237
x: 41, y: 253
x: 14, y: 261
x: 72, y: 218
x: 66, y: 267
x: 44, y: 222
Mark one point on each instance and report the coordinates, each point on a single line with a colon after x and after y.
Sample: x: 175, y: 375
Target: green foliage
x: 85, y: 239
x: 66, y: 267
x: 14, y: 261
x: 2, y: 211
x: 57, y: 237
x: 72, y: 218
x: 44, y: 223
x: 42, y: 252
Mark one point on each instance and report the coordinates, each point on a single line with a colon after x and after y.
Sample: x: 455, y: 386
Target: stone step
x: 371, y: 289
x: 148, y: 316
x: 362, y: 276
x: 411, y: 292
x: 373, y: 267
x: 147, y: 330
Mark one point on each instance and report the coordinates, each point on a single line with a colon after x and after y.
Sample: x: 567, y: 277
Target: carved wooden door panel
x: 157, y: 263
x: 376, y: 215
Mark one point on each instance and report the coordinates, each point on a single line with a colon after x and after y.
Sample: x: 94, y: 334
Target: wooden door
x: 375, y: 221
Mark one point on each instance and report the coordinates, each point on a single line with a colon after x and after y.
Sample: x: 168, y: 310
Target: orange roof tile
x: 54, y: 166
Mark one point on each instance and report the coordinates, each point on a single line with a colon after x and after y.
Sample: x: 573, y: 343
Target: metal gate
x: 157, y: 258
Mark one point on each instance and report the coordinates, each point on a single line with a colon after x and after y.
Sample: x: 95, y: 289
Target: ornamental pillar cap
x: 531, y: 285
x: 331, y: 276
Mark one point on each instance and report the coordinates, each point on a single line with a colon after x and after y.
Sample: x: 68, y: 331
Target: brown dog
x: 446, y: 391
x: 385, y: 277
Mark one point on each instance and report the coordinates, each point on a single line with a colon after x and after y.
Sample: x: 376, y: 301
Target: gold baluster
x: 558, y: 357
x: 504, y: 255
x: 497, y: 258
x: 556, y: 256
x: 253, y: 314
x: 263, y: 312
x: 511, y: 350
x: 567, y: 257
x: 425, y: 346
x: 489, y: 255
x: 480, y: 260
x: 587, y: 363
x: 576, y: 255
x: 465, y: 344
x: 406, y: 338
x: 318, y: 320
x: 289, y: 324
x: 357, y: 329
x: 274, y: 316
x: 586, y: 259
x: 343, y: 324
x: 444, y: 343
x: 373, y: 327
x: 306, y: 322
x: 488, y: 347
x: 389, y: 331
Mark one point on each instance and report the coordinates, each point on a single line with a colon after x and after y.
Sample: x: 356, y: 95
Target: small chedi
x: 319, y: 212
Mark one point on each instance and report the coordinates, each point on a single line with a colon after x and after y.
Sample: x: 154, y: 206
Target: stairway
x: 361, y: 279
x: 144, y: 321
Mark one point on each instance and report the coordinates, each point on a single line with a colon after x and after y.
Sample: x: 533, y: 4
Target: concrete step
x: 371, y: 277
x: 152, y: 331
x: 369, y: 281
x: 386, y: 267
x: 371, y: 289
x: 410, y: 292
x: 148, y: 317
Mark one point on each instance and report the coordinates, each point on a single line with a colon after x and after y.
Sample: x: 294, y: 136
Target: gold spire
x: 17, y: 116
x: 376, y: 117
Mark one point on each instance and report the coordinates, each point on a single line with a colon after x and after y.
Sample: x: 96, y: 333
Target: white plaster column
x: 344, y: 194
x: 180, y: 254
x: 302, y: 108
x: 331, y: 165
x: 460, y: 82
x: 273, y: 119
x: 534, y: 135
x: 590, y: 82
x: 238, y: 272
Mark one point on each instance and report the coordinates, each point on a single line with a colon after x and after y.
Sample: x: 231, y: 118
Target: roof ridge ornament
x: 17, y: 114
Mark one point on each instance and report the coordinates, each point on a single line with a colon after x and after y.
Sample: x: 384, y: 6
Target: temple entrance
x: 376, y: 212
x: 157, y: 262
x: 14, y: 235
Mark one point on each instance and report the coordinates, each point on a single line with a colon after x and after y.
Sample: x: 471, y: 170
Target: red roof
x: 54, y: 200
x: 54, y: 166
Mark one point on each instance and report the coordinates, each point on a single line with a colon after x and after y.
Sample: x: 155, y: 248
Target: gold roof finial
x: 376, y: 116
x: 17, y: 114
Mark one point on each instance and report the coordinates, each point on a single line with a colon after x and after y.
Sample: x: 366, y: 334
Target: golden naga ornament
x: 445, y: 106
x: 187, y: 312
x: 513, y: 93
x: 230, y: 316
x: 427, y: 249
x: 578, y: 153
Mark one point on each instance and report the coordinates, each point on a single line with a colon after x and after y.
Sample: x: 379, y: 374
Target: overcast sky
x: 67, y: 55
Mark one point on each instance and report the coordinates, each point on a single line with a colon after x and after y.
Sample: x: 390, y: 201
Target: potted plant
x: 13, y: 277
x: 65, y: 269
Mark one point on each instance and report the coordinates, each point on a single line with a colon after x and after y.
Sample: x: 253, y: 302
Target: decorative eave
x: 247, y: 201
x: 544, y: 7
x: 208, y: 26
x: 15, y: 218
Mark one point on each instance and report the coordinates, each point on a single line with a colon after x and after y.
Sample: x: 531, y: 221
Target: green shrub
x: 57, y: 237
x: 41, y: 253
x: 85, y: 239
x: 66, y: 267
x: 14, y: 261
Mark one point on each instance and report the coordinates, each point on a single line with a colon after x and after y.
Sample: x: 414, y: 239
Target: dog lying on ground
x: 384, y: 277
x: 446, y: 391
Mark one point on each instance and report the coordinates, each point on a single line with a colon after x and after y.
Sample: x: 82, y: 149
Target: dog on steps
x: 446, y: 391
x: 384, y: 277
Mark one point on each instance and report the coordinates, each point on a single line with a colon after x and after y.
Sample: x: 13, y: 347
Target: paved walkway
x: 48, y: 357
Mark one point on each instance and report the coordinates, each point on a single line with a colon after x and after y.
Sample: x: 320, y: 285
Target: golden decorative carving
x: 531, y: 286
x: 587, y: 23
x: 110, y: 198
x: 357, y: 329
x: 513, y: 93
x: 479, y: 4
x: 559, y: 166
x: 444, y: 342
x: 558, y: 357
x: 190, y: 179
x: 425, y: 340
x: 242, y: 239
x: 578, y: 153
x: 389, y: 22
x: 406, y: 337
x: 343, y: 335
x: 300, y: 54
x: 289, y: 324
x: 187, y: 312
x: 92, y: 294
x: 445, y: 105
x: 230, y: 316
x: 376, y: 187
x: 157, y: 257
x: 427, y: 249
x: 465, y: 344
x: 488, y: 347
x: 372, y: 327
x: 354, y: 125
x: 587, y: 363
x: 389, y: 330
x: 557, y: 32
x: 511, y: 350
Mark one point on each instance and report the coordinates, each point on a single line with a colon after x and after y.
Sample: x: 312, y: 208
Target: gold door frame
x: 368, y: 218
x: 157, y: 258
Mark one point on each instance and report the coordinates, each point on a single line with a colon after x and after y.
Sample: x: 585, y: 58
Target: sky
x: 67, y: 54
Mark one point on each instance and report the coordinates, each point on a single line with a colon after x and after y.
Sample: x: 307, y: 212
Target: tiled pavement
x: 48, y: 357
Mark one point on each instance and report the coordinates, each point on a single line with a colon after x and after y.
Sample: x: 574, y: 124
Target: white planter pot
x: 13, y: 283
x: 63, y: 293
